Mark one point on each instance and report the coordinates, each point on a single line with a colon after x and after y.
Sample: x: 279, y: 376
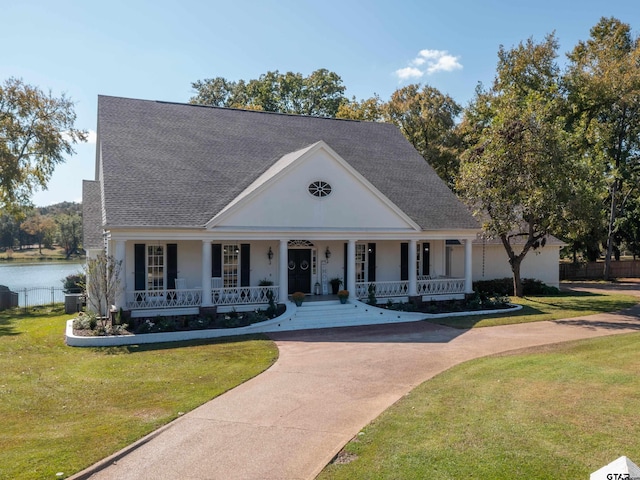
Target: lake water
x: 37, y: 275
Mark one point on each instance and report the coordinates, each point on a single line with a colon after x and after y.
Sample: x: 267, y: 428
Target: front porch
x: 184, y: 277
x: 189, y: 301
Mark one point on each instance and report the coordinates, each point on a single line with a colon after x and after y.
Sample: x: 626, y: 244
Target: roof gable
x: 353, y: 203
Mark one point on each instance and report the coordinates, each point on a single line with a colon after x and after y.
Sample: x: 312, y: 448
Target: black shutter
x: 139, y: 266
x: 404, y: 261
x: 371, y: 275
x: 216, y: 260
x: 426, y: 254
x: 172, y: 265
x: 346, y: 264
x: 245, y: 264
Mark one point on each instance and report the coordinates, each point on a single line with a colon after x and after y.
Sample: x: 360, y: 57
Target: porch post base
x: 416, y: 300
x: 210, y: 310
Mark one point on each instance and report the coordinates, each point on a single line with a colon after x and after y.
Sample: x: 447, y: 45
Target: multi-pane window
x: 361, y: 262
x: 155, y: 267
x: 230, y: 256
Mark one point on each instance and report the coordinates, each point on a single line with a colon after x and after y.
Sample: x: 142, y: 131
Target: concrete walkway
x: 290, y: 421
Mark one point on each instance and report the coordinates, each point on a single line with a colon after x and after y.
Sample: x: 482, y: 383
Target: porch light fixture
x: 327, y: 253
x: 270, y: 255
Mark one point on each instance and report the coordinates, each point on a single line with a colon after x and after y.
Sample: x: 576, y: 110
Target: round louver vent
x: 320, y: 189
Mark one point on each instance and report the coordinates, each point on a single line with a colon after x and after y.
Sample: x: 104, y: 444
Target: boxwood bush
x: 504, y: 286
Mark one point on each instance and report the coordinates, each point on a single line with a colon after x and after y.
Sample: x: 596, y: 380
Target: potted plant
x: 343, y: 295
x: 298, y: 297
x: 335, y: 284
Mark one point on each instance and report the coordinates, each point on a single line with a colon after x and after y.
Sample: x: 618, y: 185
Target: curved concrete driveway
x: 289, y: 422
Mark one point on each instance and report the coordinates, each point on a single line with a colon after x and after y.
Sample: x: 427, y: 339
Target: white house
x: 490, y: 260
x: 204, y: 206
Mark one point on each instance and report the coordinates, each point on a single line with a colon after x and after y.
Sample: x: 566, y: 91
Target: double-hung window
x: 230, y: 257
x: 155, y: 267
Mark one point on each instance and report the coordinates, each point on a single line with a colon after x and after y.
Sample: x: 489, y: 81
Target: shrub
x: 74, y: 283
x: 504, y: 287
x: 85, y: 322
x: 272, y: 310
x: 371, y: 298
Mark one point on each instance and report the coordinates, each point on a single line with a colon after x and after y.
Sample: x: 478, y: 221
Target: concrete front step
x: 334, y: 314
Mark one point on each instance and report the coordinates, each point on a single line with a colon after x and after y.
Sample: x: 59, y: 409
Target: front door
x: 300, y: 270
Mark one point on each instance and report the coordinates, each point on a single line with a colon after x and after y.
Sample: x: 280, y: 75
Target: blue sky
x: 155, y: 50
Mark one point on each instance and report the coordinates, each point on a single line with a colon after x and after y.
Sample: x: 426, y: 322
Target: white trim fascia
x: 290, y: 161
x: 274, y: 235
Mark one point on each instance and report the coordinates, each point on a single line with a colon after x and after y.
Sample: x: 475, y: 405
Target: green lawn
x: 64, y: 408
x: 561, y: 413
x: 541, y: 308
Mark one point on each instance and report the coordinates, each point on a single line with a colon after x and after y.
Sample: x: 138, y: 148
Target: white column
x: 468, y: 278
x: 413, y: 273
x: 206, y: 273
x: 350, y: 281
x: 119, y: 256
x: 283, y: 271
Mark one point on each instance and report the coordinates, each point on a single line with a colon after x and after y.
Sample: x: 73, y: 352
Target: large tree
x: 427, y: 118
x: 424, y: 115
x: 36, y: 132
x: 603, y: 81
x: 516, y: 173
x: 69, y: 232
x: 368, y: 110
x: 320, y: 94
x: 41, y: 228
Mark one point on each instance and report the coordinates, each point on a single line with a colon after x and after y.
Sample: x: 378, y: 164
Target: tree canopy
x: 320, y: 94
x: 603, y: 85
x: 543, y: 151
x: 36, y: 132
x: 516, y: 171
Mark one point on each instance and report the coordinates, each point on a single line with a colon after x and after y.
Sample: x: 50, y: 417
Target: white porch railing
x: 396, y: 288
x: 440, y: 286
x: 434, y: 286
x: 141, y: 299
x: 149, y: 299
x: 243, y: 295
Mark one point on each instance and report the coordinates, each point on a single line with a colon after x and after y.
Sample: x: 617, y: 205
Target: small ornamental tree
x: 103, y: 282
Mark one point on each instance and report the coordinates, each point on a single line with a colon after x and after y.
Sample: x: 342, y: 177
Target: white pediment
x: 280, y: 197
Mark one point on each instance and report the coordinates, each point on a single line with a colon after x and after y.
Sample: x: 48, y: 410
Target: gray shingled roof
x: 168, y: 164
x: 91, y: 215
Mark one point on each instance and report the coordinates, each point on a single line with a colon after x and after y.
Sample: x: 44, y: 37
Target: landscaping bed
x: 92, y: 325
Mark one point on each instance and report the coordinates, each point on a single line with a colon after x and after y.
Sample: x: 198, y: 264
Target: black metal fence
x: 31, y: 297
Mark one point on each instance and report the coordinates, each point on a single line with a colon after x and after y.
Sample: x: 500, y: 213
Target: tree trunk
x: 517, y: 281
x: 612, y: 219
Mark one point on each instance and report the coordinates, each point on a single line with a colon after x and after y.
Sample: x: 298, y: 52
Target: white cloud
x: 409, y: 72
x: 430, y: 62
